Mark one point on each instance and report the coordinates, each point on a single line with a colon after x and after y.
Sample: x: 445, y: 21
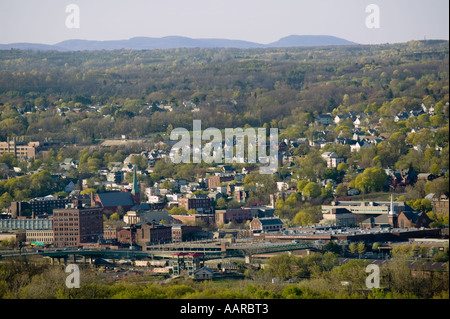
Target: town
x: 360, y: 172
x: 209, y: 218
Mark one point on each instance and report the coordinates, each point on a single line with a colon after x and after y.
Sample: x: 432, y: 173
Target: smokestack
x: 92, y: 200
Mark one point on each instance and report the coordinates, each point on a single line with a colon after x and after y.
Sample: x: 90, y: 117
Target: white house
x: 358, y: 145
x: 333, y: 160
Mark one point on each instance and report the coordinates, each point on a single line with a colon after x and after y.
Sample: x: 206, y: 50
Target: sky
x: 262, y: 21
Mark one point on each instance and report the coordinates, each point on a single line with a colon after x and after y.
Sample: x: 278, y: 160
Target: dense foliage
x: 315, y: 277
x: 231, y: 87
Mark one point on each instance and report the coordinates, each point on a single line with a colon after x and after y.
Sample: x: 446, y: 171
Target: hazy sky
x: 263, y: 21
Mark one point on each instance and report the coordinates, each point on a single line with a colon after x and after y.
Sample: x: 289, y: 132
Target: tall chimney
x: 92, y: 200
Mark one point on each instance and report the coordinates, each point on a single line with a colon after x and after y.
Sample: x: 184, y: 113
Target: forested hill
x: 227, y: 87
x: 174, y: 42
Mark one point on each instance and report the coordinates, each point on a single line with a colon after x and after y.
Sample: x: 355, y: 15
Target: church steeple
x: 135, y: 189
x: 392, y: 216
x: 391, y: 208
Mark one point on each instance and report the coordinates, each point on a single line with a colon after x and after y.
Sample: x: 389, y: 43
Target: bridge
x: 211, y: 250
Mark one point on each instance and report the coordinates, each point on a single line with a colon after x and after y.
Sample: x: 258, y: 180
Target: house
x: 240, y: 196
x: 69, y: 187
x: 203, y: 273
x: 281, y: 186
x: 271, y: 224
x: 247, y: 169
x: 426, y: 177
x: 402, y: 177
x: 402, y: 116
x: 358, y: 136
x: 333, y: 160
x: 69, y: 163
x: 324, y: 119
x: 373, y: 140
x: 227, y: 169
x: 342, y: 141
x: 231, y: 188
x: 357, y: 122
x: 339, y: 118
x: 358, y: 145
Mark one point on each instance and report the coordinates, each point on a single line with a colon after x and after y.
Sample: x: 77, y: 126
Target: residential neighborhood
x: 122, y: 210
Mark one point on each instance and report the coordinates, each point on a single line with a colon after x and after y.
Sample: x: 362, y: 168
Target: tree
x: 5, y: 200
x: 361, y: 248
x: 87, y: 191
x: 353, y: 272
x: 41, y: 183
x: 192, y: 211
x: 178, y: 211
x: 307, y: 215
x: 333, y: 247
x: 282, y: 266
x: 376, y: 247
x: 438, y: 186
x: 167, y: 185
x: 353, y: 248
x: 301, y: 184
x: 221, y: 203
x: 114, y: 217
x: 9, y: 159
x: 372, y: 179
x: 311, y: 190
x: 140, y: 162
x: 311, y: 166
x: 341, y: 190
x: 327, y: 191
x: 292, y: 199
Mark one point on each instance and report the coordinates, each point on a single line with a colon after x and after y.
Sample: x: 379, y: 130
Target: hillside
x: 173, y: 42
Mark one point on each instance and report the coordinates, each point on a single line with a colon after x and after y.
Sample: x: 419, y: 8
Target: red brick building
x: 126, y: 236
x: 202, y: 205
x: 148, y: 234
x: 215, y: 181
x: 77, y: 226
x: 440, y: 204
x: 111, y: 233
x: 272, y: 224
x: 184, y: 232
x: 233, y: 215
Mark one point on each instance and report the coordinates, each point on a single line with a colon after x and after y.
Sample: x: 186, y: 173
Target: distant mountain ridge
x: 174, y: 42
